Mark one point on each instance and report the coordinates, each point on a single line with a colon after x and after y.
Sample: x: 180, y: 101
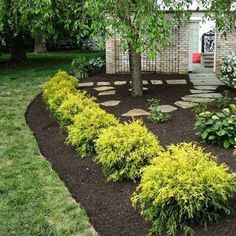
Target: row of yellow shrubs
x: 178, y: 185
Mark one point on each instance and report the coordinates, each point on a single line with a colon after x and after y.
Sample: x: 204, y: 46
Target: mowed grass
x: 33, y: 200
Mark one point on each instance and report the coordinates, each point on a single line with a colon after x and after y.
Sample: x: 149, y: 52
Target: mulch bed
x: 108, y: 204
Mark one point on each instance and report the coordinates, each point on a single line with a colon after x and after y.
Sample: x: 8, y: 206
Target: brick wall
x: 173, y: 59
x: 224, y: 47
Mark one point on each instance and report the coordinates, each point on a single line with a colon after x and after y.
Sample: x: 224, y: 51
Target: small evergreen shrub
x: 218, y: 127
x: 61, y: 80
x: 181, y: 186
x: 228, y: 70
x: 124, y: 149
x: 86, y: 128
x: 73, y: 105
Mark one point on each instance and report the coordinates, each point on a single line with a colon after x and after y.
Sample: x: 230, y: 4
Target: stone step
x: 204, y: 95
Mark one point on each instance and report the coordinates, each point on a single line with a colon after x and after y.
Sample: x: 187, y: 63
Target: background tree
x: 40, y: 18
x: 145, y: 26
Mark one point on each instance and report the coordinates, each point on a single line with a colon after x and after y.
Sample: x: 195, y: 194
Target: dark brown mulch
x: 108, y: 204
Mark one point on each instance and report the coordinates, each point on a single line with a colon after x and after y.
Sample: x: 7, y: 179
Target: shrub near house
x: 181, y: 186
x: 228, y: 71
x: 124, y: 149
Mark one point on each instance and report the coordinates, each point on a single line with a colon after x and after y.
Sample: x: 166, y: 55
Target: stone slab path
x: 136, y: 112
x: 103, y: 88
x: 110, y: 103
x: 107, y: 93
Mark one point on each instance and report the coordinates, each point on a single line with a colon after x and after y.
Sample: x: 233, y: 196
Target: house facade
x: 198, y: 38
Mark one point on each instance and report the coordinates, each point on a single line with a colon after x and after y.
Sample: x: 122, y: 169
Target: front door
x: 193, y: 44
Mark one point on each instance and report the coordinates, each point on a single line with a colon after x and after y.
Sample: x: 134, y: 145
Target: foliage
x: 86, y: 128
x: 220, y: 102
x: 80, y: 66
x: 201, y: 107
x: 234, y: 153
x: 124, y: 149
x: 33, y: 199
x: 57, y: 89
x: 73, y: 105
x: 228, y: 70
x: 60, y: 80
x: 218, y: 128
x: 156, y: 115
x: 97, y: 62
x: 181, y: 186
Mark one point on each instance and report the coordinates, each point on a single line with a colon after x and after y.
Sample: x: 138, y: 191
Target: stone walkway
x: 205, y: 86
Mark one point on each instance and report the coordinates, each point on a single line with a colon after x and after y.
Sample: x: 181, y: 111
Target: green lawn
x: 33, y: 200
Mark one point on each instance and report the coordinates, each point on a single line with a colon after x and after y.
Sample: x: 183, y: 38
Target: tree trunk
x: 39, y: 43
x: 136, y: 73
x: 17, y: 50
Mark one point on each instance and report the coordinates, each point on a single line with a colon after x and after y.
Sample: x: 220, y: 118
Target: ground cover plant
x: 124, y: 149
x: 33, y: 201
x: 156, y: 115
x: 183, y: 185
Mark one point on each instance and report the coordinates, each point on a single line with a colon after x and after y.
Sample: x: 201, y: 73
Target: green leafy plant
x: 181, y: 186
x: 124, y: 149
x: 73, y: 105
x: 80, y: 66
x: 201, y: 107
x: 156, y: 115
x: 222, y: 102
x: 228, y: 70
x: 218, y: 127
x: 86, y: 128
x: 97, y: 62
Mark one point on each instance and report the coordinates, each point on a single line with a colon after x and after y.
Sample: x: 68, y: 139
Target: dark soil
x: 108, y: 204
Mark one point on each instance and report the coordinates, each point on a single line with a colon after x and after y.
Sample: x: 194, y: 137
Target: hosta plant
x: 124, y: 149
x: 184, y: 185
x: 73, y: 105
x: 86, y: 128
x: 228, y: 70
x: 218, y: 127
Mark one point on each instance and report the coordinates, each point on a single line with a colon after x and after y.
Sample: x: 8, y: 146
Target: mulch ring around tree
x: 106, y: 203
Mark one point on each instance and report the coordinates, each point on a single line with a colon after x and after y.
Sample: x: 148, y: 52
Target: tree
x: 37, y: 17
x: 144, y: 26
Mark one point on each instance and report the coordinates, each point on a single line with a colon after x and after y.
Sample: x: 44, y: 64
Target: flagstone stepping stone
x: 206, y: 87
x: 177, y: 81
x: 167, y: 108
x: 87, y: 84
x: 136, y: 112
x: 196, y: 100
x: 144, y: 89
x: 156, y: 82
x: 107, y: 93
x: 110, y: 103
x: 206, y: 82
x: 104, y: 88
x: 103, y: 83
x: 145, y: 82
x: 194, y: 91
x: 185, y: 105
x: 120, y: 82
x: 205, y: 95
